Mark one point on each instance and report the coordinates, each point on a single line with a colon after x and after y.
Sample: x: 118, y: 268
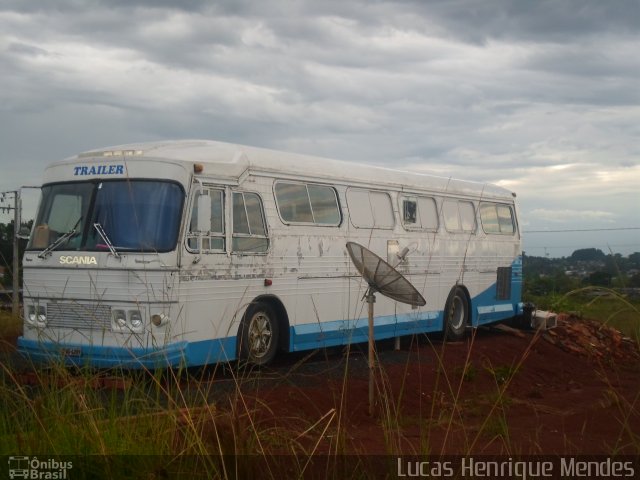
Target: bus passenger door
x: 205, y: 274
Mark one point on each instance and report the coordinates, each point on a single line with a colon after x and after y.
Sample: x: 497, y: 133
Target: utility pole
x: 17, y: 207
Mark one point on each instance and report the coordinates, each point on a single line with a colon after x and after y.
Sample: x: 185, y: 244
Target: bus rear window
x: 497, y: 219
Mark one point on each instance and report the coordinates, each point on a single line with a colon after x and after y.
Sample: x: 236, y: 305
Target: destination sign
x: 98, y: 170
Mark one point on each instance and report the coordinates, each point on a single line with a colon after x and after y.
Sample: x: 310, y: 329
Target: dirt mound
x: 592, y: 339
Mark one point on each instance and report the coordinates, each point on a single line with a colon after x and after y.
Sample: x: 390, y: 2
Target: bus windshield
x: 134, y: 215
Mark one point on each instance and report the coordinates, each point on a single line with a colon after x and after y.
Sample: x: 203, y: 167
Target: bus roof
x: 233, y: 160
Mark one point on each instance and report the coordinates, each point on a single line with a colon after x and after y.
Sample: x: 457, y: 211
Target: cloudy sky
x: 542, y: 97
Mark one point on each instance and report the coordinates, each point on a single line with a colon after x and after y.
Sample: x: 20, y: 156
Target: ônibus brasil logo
x: 34, y: 468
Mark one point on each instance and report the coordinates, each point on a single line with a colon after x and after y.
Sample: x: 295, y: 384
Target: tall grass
x: 178, y: 414
x: 10, y: 326
x: 598, y: 303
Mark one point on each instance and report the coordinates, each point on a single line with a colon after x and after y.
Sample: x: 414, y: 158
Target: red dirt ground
x: 571, y: 390
x: 498, y: 392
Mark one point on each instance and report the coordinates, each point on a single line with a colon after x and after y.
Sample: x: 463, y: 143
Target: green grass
x: 172, y: 414
x: 599, y: 304
x: 71, y: 413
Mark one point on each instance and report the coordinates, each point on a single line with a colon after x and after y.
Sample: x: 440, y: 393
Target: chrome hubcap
x: 457, y: 313
x: 259, y: 335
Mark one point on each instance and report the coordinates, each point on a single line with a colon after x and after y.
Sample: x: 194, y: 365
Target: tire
x: 456, y: 315
x: 259, y: 334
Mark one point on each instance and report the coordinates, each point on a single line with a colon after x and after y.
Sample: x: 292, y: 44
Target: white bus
x: 196, y: 252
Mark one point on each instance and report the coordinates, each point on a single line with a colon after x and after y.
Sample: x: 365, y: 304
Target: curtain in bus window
x: 138, y: 215
x: 450, y: 214
x: 467, y: 216
x: 381, y: 209
x: 428, y: 213
x: 359, y: 208
x: 368, y: 209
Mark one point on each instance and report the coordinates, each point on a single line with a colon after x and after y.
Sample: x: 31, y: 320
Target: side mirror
x: 203, y: 221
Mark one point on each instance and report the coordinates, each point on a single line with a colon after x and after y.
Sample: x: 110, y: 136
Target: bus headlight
x: 37, y: 315
x: 119, y: 319
x: 135, y: 320
x: 127, y: 321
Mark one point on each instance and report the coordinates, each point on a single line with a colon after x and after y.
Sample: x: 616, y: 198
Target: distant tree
x: 588, y: 255
x: 564, y: 283
x: 599, y: 279
x: 6, y: 250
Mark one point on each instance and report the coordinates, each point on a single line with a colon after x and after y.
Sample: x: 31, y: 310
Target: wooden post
x: 371, y: 299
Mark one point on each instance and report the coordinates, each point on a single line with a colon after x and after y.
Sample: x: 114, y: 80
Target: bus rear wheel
x: 456, y: 315
x: 259, y: 334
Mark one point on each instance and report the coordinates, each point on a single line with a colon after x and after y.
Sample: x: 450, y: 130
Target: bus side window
x: 419, y: 213
x: 409, y: 211
x: 497, y: 219
x: 505, y: 219
x: 293, y: 202
x: 370, y: 209
x: 249, y: 229
x: 213, y: 240
x: 428, y: 213
x: 467, y: 216
x: 459, y: 216
x: 489, y: 218
x: 450, y: 214
x: 307, y: 203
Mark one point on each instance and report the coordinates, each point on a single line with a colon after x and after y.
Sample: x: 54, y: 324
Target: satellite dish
x: 382, y: 277
x: 385, y: 279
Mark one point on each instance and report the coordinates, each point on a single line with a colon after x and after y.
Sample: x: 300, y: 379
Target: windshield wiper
x: 106, y: 240
x: 61, y: 239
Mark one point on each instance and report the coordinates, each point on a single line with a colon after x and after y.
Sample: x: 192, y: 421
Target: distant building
x: 581, y: 273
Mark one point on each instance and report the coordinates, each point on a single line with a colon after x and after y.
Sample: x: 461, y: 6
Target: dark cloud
x: 540, y: 96
x: 538, y: 21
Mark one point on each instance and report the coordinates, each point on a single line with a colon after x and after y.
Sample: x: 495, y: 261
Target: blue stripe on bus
x: 328, y: 334
x: 100, y: 356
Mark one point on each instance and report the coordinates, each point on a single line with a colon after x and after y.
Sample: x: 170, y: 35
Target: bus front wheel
x: 259, y: 334
x: 456, y: 315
